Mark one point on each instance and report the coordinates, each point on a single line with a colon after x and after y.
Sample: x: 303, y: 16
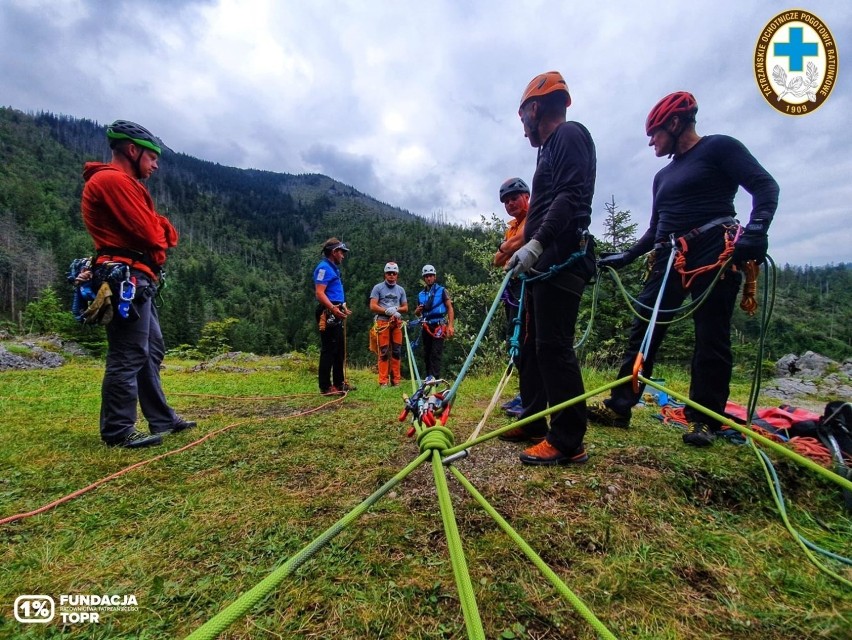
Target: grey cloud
x: 349, y: 168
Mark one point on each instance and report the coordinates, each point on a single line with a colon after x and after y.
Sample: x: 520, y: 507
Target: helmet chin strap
x: 535, y: 136
x: 676, y: 136
x: 135, y: 163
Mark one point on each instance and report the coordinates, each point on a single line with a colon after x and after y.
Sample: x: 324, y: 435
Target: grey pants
x: 132, y: 375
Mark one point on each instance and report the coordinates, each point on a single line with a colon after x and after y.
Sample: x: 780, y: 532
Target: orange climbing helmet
x: 674, y: 104
x: 545, y: 83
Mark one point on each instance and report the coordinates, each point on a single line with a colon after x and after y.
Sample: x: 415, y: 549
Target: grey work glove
x: 397, y: 315
x: 389, y: 311
x: 524, y: 258
x: 614, y: 260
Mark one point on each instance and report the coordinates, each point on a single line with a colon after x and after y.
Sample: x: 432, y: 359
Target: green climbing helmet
x: 126, y: 130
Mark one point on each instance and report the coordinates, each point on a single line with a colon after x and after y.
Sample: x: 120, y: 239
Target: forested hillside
x: 250, y: 240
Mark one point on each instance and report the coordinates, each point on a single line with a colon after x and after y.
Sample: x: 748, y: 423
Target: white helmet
x: 428, y: 270
x: 391, y: 267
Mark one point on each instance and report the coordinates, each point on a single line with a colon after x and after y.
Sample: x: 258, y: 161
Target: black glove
x: 753, y: 243
x: 614, y: 260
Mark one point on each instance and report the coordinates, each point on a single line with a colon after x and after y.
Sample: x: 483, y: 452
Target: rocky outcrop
x: 28, y: 355
x: 810, y: 374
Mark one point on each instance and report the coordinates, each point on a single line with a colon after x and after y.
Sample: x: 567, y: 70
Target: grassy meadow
x: 659, y: 540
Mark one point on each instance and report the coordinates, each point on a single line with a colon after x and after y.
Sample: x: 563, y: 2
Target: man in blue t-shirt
x: 331, y: 314
x: 436, y: 310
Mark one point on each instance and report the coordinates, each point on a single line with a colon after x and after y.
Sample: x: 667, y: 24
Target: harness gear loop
x: 748, y: 302
x: 731, y: 233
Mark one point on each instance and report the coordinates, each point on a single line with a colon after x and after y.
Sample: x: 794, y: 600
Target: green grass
x: 659, y: 540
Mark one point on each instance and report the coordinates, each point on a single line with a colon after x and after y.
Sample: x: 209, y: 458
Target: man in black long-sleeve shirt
x: 559, y: 212
x: 695, y: 191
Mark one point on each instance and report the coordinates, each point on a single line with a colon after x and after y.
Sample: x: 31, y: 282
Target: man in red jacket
x: 132, y: 238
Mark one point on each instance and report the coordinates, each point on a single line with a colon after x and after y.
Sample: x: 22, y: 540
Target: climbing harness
x: 101, y: 291
x: 678, y: 248
x: 436, y: 330
x: 586, y: 244
x: 731, y: 231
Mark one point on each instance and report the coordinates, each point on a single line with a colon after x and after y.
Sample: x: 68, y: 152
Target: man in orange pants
x: 388, y: 302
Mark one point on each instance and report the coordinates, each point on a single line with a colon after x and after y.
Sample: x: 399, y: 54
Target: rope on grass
x: 464, y: 585
x: 777, y: 448
x: 237, y: 609
x: 126, y: 470
x: 554, y: 579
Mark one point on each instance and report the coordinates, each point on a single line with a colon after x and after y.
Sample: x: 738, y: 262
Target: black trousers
x: 433, y: 353
x: 710, y: 370
x: 332, y: 354
x: 135, y: 353
x: 550, y: 372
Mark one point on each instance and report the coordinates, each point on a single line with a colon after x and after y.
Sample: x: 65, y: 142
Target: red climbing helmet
x: 677, y: 103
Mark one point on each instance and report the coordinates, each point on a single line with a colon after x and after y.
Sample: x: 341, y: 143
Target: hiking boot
x: 383, y: 385
x: 601, y: 414
x: 179, y: 425
x: 514, y: 402
x: 332, y: 391
x: 136, y: 440
x: 515, y: 412
x: 347, y: 387
x: 545, y: 454
x: 183, y: 425
x: 699, y: 435
x: 519, y: 434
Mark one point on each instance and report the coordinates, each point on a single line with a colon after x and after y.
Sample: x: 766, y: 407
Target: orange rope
x: 118, y: 474
x: 687, y: 277
x: 812, y: 448
x: 808, y: 447
x: 748, y: 303
x: 673, y: 414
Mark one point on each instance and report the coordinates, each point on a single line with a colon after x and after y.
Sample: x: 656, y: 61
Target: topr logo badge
x: 795, y: 62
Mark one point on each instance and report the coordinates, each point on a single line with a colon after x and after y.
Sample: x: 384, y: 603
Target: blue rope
x: 448, y: 398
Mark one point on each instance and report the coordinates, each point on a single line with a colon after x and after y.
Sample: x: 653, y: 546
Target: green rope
x: 412, y: 363
x: 437, y: 438
x: 763, y: 460
x: 538, y: 416
x: 690, y: 307
x: 778, y: 448
x: 554, y: 579
x: 237, y: 609
x: 464, y: 585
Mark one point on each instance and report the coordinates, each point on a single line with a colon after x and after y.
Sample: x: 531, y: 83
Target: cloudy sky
x: 415, y: 103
